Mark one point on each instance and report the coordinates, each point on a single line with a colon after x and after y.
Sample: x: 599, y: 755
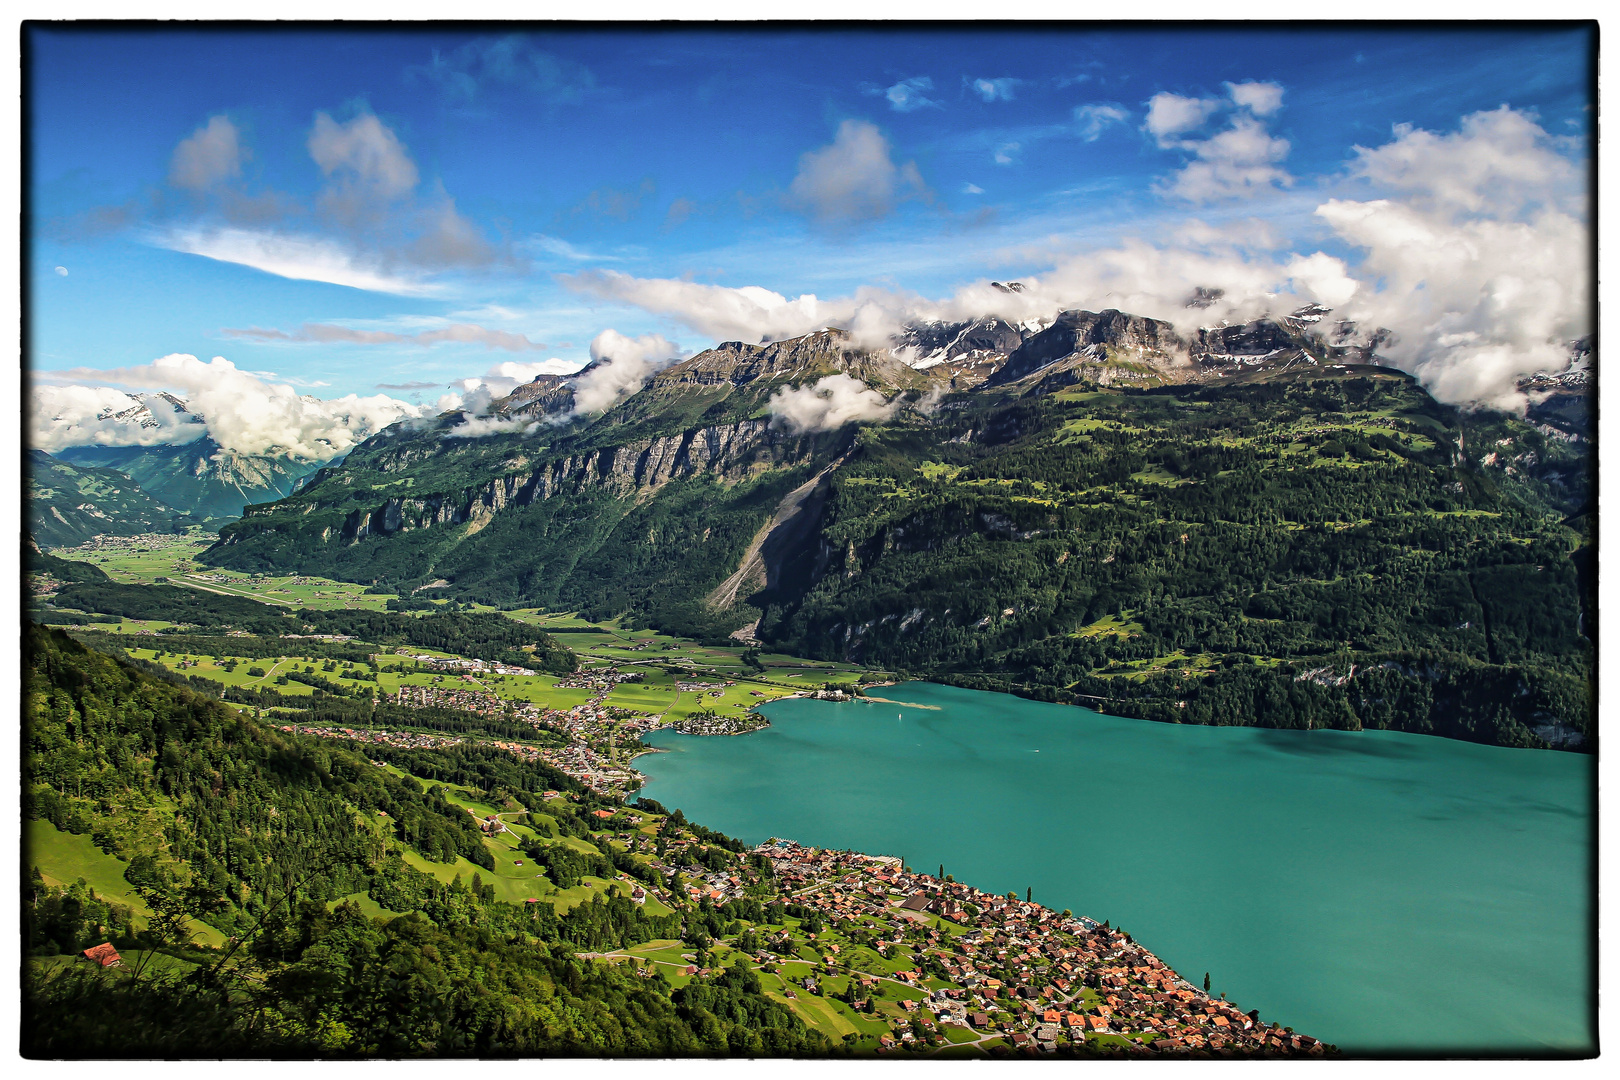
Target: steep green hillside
x: 68, y: 504
x: 1294, y: 552
x: 1282, y: 541
x: 254, y: 832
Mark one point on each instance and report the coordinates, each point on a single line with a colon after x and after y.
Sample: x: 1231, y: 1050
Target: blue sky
x: 454, y: 201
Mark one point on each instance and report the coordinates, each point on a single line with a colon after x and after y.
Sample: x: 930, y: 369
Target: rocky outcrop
x: 1562, y: 401
x: 960, y: 354
x: 1234, y: 344
x: 1096, y: 336
x: 736, y: 364
x: 545, y: 395
x: 730, y: 452
x: 1111, y: 348
x: 761, y: 565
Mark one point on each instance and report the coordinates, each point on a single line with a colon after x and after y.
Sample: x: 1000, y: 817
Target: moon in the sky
x: 61, y: 271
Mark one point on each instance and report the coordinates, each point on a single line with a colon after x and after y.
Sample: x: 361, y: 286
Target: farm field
x: 64, y: 858
x: 660, y: 660
x: 170, y: 559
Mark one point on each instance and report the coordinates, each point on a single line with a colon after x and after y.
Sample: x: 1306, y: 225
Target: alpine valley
x: 1255, y: 524
x: 160, y: 446
x: 731, y: 540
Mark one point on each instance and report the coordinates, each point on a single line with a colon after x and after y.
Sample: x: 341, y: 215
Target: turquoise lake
x: 1389, y: 893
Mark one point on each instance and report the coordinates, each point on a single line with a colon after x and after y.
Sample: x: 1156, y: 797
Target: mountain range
x: 195, y: 478
x: 68, y: 504
x: 200, y: 478
x: 1254, y: 520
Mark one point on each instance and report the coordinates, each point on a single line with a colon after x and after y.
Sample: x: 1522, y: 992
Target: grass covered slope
x: 486, y: 635
x: 69, y: 504
x: 259, y: 834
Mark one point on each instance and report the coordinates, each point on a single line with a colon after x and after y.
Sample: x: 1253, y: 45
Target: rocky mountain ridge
x: 201, y: 477
x: 708, y: 415
x: 1109, y: 348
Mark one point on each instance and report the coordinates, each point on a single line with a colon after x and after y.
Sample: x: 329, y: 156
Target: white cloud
x: 1324, y: 279
x: 621, y: 365
x: 1479, y: 257
x: 1170, y: 115
x: 748, y: 313
x: 554, y: 245
x: 63, y: 416
x: 521, y: 372
x: 302, y: 258
x: 996, y: 89
x: 831, y: 403
x: 365, y: 164
x: 508, y: 62
x: 371, y: 231
x: 445, y: 239
x: 1260, y: 98
x: 1007, y: 153
x: 478, y: 427
x: 1496, y: 162
x: 972, y: 189
x: 853, y: 178
x: 208, y: 157
x: 460, y: 333
x: 1095, y: 119
x: 1236, y: 163
x: 243, y: 412
x: 907, y: 94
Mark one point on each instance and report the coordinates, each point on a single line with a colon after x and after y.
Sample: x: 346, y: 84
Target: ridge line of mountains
x: 201, y: 481
x: 1256, y: 523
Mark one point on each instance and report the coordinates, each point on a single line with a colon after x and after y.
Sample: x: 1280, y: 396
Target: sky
x: 308, y: 234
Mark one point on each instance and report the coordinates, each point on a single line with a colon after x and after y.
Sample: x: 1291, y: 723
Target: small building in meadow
x: 103, y: 955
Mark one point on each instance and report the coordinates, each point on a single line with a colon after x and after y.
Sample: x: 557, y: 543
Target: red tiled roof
x: 103, y: 954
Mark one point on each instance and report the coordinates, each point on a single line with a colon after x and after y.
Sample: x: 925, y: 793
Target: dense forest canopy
x: 224, y: 820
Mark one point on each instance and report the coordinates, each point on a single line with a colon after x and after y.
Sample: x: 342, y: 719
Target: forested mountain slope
x: 68, y: 504
x: 201, y: 477
x: 232, y: 822
x: 1247, y: 532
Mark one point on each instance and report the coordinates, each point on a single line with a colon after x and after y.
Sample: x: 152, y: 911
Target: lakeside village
x: 925, y: 963
x: 940, y: 962
x: 599, y: 740
x: 998, y: 966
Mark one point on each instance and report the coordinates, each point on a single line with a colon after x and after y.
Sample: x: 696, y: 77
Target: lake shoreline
x: 1183, y: 870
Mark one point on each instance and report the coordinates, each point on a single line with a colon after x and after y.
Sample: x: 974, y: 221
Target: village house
x: 103, y: 955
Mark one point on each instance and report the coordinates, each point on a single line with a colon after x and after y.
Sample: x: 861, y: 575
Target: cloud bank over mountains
x: 243, y: 411
x: 619, y: 365
x: 1470, y: 245
x: 1481, y: 261
x: 834, y: 400
x: 1475, y: 255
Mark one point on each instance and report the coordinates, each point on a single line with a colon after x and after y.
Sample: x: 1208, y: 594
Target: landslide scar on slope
x: 762, y: 563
